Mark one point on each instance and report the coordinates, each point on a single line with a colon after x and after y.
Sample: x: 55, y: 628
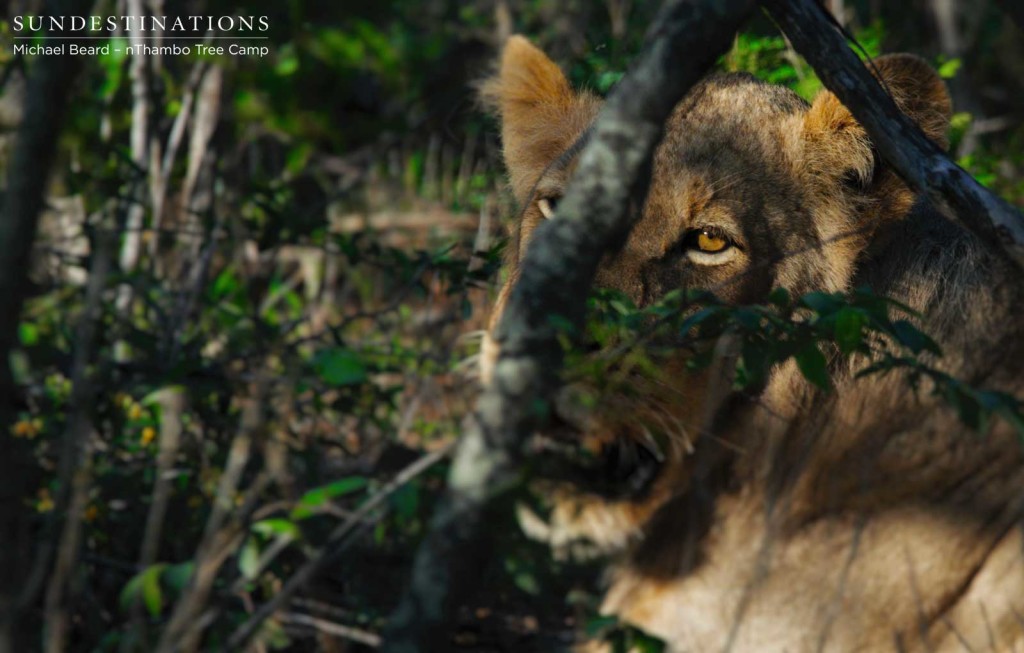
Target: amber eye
x: 547, y: 206
x: 711, y: 242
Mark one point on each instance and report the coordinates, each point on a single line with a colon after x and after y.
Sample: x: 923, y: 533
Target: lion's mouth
x: 632, y: 466
x: 621, y: 467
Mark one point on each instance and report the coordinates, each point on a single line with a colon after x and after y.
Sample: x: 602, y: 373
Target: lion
x: 865, y: 518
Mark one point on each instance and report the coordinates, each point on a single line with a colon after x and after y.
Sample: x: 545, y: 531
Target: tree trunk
x: 35, y: 148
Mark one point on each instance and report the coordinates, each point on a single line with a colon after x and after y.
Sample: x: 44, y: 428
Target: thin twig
x: 359, y: 635
x: 132, y: 244
x: 163, y: 177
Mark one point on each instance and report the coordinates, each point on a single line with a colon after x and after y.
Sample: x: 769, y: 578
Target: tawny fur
x: 867, y: 518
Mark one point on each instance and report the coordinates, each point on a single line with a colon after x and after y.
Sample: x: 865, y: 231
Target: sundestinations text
x: 128, y: 24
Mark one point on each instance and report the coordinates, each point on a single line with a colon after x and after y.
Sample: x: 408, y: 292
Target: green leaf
x: 599, y: 624
x: 297, y: 158
x: 288, y: 62
x: 152, y: 595
x: 948, y: 69
x: 527, y: 582
x: 747, y: 318
x: 561, y: 324
x: 277, y: 527
x: 130, y: 592
x: 848, y: 327
x: 340, y: 367
x: 821, y: 302
x: 406, y: 501
x: 699, y: 317
x: 312, y: 500
x: 177, y: 576
x: 225, y: 284
x: 779, y: 297
x: 145, y: 585
x: 966, y: 405
x: 753, y: 365
x: 249, y: 559
x: 913, y: 338
x: 813, y: 366
x: 28, y: 334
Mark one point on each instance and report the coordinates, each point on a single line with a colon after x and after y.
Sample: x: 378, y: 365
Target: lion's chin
x: 613, y: 465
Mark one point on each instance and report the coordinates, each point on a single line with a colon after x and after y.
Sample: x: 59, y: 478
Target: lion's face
x: 752, y: 188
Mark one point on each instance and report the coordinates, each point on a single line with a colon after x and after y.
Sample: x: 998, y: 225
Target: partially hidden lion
x: 867, y: 518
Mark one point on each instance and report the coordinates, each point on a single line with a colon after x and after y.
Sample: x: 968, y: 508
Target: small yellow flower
x: 148, y: 435
x: 134, y: 411
x: 45, y: 502
x: 26, y: 428
x: 91, y: 513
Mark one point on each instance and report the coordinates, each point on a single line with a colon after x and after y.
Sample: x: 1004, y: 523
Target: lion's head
x: 752, y: 189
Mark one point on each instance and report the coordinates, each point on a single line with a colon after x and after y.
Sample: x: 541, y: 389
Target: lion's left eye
x: 711, y: 243
x: 707, y: 240
x: 710, y: 246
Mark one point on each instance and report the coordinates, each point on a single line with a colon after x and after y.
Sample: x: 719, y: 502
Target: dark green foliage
x: 877, y: 334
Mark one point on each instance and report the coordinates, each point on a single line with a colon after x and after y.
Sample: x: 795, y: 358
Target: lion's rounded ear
x: 540, y: 113
x: 919, y: 92
x: 836, y: 142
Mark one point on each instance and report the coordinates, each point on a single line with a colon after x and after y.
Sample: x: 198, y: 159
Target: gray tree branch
x: 684, y: 41
x: 919, y: 161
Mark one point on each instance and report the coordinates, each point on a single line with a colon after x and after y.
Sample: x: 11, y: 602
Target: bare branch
x: 172, y: 405
x: 919, y: 161
x: 222, y: 534
x: 132, y: 245
x: 614, y: 168
x: 75, y: 459
x: 337, y: 630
